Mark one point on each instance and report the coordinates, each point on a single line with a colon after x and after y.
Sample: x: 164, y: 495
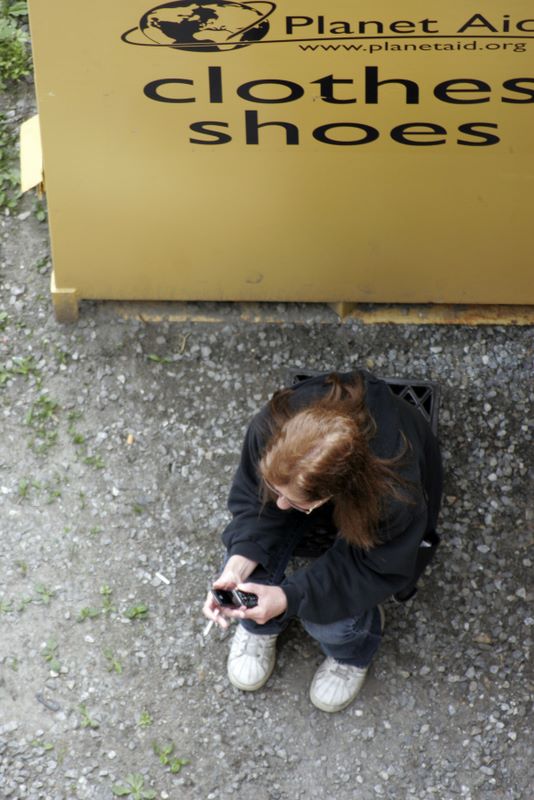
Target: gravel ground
x: 119, y: 442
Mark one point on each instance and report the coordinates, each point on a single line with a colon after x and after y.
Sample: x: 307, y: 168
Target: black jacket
x: 345, y: 580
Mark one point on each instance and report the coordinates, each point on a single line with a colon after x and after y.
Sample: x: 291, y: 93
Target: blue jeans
x: 352, y: 640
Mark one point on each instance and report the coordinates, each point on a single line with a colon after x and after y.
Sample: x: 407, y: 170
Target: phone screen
x: 224, y: 597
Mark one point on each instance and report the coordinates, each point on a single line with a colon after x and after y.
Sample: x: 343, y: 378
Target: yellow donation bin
x: 373, y: 151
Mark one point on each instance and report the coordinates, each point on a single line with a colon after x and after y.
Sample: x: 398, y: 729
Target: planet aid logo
x: 273, y: 103
x: 202, y: 25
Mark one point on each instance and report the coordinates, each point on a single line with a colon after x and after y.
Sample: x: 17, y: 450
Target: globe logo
x: 202, y: 25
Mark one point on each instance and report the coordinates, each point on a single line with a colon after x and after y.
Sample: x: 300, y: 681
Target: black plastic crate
x: 424, y: 395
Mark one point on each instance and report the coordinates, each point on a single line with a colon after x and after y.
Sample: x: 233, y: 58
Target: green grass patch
x: 15, y: 56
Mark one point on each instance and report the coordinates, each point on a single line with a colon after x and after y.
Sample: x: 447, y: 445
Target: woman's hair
x: 322, y: 450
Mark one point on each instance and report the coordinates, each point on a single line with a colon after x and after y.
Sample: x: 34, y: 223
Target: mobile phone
x: 234, y: 598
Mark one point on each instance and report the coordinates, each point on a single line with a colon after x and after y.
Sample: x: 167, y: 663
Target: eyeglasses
x: 293, y: 505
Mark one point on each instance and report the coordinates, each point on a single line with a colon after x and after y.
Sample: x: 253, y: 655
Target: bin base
x: 65, y: 302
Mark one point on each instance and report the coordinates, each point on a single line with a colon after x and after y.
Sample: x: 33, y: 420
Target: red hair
x: 322, y: 450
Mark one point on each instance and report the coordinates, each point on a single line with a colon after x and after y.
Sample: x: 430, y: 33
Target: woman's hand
x: 272, y: 602
x: 236, y: 570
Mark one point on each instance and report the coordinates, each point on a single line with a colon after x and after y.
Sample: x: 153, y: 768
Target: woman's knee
x: 344, y: 630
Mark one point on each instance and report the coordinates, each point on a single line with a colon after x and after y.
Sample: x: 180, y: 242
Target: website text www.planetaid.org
x: 425, y: 47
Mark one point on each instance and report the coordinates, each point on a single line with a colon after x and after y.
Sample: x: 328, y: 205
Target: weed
x: 77, y: 438
x: 53, y: 495
x: 159, y: 359
x: 13, y: 663
x: 95, y: 530
x: 40, y: 211
x: 87, y: 722
x: 94, y: 461
x: 15, y: 59
x: 23, y: 567
x: 42, y: 745
x: 166, y: 757
x: 19, y: 366
x: 62, y: 356
x: 24, y: 366
x: 145, y: 720
x: 88, y: 613
x: 137, y: 612
x: 3, y: 320
x: 114, y: 665
x: 41, y: 417
x: 24, y: 488
x: 5, y: 606
x: 45, y: 595
x: 135, y: 787
x: 107, y: 606
x: 23, y: 603
x: 9, y: 171
x: 50, y: 655
x: 138, y: 509
x: 43, y: 265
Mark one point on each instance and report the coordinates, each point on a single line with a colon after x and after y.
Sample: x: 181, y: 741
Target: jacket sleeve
x: 256, y: 530
x: 346, y: 581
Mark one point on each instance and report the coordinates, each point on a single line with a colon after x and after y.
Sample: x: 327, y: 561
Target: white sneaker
x: 334, y: 685
x: 251, y: 660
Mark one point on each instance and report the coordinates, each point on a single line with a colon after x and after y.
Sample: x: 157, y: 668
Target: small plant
x: 24, y: 488
x: 19, y: 366
x: 42, y: 417
x: 40, y: 211
x: 45, y: 595
x: 166, y: 757
x: 136, y: 612
x: 9, y: 172
x: 87, y: 722
x: 62, y: 356
x: 15, y: 59
x: 135, y: 787
x: 88, y: 613
x: 114, y: 665
x: 106, y: 593
x: 159, y: 359
x: 23, y: 567
x: 3, y: 320
x: 42, y: 745
x: 50, y: 655
x: 43, y: 265
x: 24, y: 602
x: 145, y: 720
x: 6, y: 606
x: 94, y: 461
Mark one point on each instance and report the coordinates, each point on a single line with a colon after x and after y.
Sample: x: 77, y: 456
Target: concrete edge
x: 322, y: 313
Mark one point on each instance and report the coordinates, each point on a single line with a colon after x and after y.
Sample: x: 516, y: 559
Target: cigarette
x: 208, y: 628
x: 162, y: 578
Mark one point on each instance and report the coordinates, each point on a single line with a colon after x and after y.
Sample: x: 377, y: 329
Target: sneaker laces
x: 346, y: 672
x: 251, y: 644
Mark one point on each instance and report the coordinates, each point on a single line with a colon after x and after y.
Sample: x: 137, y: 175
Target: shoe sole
x: 250, y: 687
x: 333, y: 709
